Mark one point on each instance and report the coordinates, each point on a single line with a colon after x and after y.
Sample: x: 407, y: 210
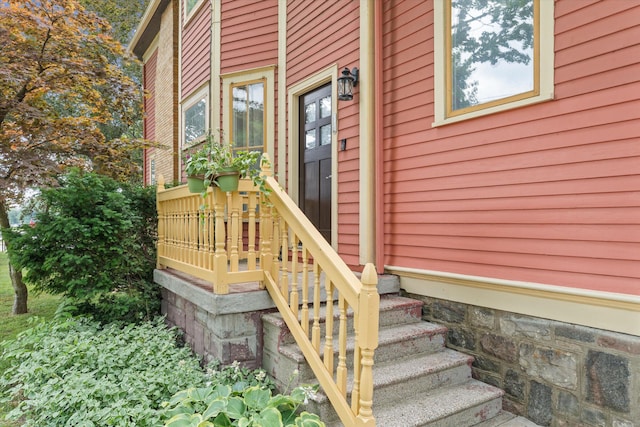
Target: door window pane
x: 325, y: 107
x: 325, y: 135
x: 310, y: 139
x: 310, y: 113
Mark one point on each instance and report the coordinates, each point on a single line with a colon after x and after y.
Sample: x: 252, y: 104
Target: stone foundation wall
x: 227, y: 328
x: 556, y: 374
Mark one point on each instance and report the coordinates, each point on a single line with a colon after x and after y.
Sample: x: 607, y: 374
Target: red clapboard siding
x: 196, y: 51
x: 548, y: 193
x: 249, y: 35
x: 319, y: 34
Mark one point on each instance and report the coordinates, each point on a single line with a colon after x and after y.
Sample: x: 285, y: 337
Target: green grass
x: 42, y: 305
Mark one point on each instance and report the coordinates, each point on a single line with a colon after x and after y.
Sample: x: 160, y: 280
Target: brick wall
x: 166, y: 96
x: 554, y: 373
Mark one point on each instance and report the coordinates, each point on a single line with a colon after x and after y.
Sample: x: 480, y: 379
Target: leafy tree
x: 61, y: 83
x: 93, y: 242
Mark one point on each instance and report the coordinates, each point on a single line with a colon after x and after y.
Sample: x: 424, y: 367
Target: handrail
x: 251, y: 236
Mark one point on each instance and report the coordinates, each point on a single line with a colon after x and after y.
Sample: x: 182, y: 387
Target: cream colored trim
x: 187, y: 16
x: 328, y: 75
x: 229, y: 79
x: 216, y: 30
x: 152, y: 47
x: 546, y: 67
x: 282, y: 93
x: 367, y: 207
x: 597, y: 309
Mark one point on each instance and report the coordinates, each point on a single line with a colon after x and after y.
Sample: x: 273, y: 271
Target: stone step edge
x: 390, y: 373
x: 436, y: 405
x: 387, y: 337
x: 388, y: 304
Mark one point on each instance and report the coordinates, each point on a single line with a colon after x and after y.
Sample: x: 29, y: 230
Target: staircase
x: 418, y: 381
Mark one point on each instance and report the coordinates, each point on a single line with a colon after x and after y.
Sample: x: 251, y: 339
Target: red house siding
x: 548, y: 193
x: 249, y: 35
x: 196, y: 50
x: 316, y: 40
x: 149, y: 129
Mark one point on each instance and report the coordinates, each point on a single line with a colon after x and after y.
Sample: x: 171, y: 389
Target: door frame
x: 294, y: 93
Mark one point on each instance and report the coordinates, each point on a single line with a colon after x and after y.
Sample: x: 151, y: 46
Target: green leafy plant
x: 216, y: 156
x: 76, y: 372
x: 93, y: 242
x: 224, y: 406
x: 197, y: 161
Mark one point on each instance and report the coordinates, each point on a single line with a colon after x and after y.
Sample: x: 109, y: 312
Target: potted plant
x: 196, y: 166
x: 226, y: 168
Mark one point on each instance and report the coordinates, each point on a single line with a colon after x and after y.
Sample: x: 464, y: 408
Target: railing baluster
x: 341, y: 372
x: 293, y: 303
x: 284, y: 257
x: 355, y: 393
x: 234, y: 220
x: 220, y: 284
x: 192, y: 213
x: 305, y: 291
x: 228, y: 223
x: 266, y: 233
x: 328, y: 340
x: 315, y: 330
x: 251, y: 245
x: 275, y: 244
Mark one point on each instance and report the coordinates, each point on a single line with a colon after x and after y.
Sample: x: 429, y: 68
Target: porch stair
x: 417, y: 380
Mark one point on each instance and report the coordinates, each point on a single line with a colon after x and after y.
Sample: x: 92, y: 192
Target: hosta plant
x: 225, y: 406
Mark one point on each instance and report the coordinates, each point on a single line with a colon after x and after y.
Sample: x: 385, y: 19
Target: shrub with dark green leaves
x: 76, y: 372
x: 93, y: 242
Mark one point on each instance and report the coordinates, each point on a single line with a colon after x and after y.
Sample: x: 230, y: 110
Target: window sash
x: 450, y: 110
x: 248, y: 115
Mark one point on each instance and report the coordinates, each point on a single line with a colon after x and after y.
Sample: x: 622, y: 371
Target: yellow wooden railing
x: 244, y: 236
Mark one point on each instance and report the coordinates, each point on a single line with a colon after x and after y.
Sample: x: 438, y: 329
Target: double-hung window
x: 247, y: 109
x: 491, y: 55
x: 248, y: 116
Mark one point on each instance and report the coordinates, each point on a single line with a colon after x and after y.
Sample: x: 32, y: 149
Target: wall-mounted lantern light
x: 346, y: 83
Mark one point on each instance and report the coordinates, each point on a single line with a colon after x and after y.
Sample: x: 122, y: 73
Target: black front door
x: 315, y: 158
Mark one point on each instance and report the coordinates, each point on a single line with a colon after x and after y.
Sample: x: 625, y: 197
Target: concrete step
x: 394, y: 310
x: 458, y: 406
x: 394, y: 343
x: 402, y: 379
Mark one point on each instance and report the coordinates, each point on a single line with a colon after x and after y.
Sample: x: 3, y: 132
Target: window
x: 492, y: 55
x: 189, y: 7
x: 248, y: 116
x: 195, y: 118
x: 247, y: 120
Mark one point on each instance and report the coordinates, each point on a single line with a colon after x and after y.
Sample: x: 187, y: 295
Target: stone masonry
x: 226, y: 328
x: 556, y: 374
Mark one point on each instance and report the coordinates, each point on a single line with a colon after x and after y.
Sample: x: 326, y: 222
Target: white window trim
x: 194, y: 98
x: 239, y: 77
x: 186, y: 17
x: 546, y: 67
